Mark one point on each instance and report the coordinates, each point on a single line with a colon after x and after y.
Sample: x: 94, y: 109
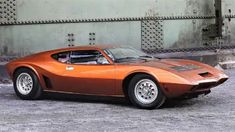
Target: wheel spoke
x: 146, y: 91
x: 24, y: 83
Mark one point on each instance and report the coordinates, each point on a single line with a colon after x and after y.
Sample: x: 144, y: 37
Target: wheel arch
x: 26, y: 67
x: 36, y: 90
x: 128, y: 78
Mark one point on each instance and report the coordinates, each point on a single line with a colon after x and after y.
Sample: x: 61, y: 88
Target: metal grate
x: 152, y: 35
x: 7, y: 11
x: 189, y: 49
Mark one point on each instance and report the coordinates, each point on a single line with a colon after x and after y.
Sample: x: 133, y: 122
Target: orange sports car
x: 112, y: 71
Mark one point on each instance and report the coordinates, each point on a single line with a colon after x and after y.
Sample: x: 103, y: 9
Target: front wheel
x: 26, y: 84
x: 144, y: 92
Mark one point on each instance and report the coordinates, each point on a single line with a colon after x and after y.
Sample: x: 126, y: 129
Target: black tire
x: 160, y: 98
x: 36, y: 90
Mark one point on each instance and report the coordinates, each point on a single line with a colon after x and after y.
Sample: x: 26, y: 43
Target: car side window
x: 87, y: 57
x: 63, y: 57
x: 109, y: 54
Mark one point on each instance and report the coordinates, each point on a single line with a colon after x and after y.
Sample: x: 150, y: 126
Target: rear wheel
x: 144, y: 92
x: 26, y: 84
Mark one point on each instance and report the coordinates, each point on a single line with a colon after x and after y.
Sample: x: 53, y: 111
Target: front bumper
x: 204, y: 86
x: 207, y: 84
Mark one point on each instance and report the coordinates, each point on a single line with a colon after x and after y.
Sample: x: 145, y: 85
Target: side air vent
x: 47, y: 82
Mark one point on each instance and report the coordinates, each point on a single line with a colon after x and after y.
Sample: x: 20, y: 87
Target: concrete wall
x: 21, y: 39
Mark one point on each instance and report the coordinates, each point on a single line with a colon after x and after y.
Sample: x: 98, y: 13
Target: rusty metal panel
x: 80, y: 9
x: 228, y: 7
x: 187, y: 33
x: 29, y: 10
x: 184, y: 7
x: 230, y: 31
x: 232, y: 37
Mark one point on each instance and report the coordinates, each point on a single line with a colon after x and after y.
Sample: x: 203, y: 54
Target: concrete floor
x: 215, y: 112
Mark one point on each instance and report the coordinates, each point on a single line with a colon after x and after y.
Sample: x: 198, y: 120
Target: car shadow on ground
x: 85, y: 98
x: 178, y: 103
x: 123, y: 102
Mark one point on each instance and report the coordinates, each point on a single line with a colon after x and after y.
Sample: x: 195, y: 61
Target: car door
x: 54, y: 73
x: 86, y: 75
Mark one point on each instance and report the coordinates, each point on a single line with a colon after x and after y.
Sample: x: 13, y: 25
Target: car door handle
x: 69, y: 68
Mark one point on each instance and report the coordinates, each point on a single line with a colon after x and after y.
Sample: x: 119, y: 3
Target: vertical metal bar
x: 141, y: 34
x: 219, y: 18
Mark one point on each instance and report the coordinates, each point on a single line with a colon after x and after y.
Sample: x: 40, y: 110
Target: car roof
x: 85, y: 47
x: 99, y: 46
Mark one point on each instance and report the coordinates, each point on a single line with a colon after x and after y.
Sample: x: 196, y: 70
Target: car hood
x: 169, y: 64
x: 188, y: 69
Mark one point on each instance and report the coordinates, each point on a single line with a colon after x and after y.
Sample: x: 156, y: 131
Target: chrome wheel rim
x: 24, y: 83
x: 146, y: 91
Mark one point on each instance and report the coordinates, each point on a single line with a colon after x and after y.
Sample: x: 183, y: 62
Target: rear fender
x: 29, y: 66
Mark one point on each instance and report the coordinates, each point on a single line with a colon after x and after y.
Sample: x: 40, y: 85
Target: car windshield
x: 123, y: 54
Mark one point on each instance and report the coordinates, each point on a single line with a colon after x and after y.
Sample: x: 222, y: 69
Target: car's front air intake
x: 205, y: 74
